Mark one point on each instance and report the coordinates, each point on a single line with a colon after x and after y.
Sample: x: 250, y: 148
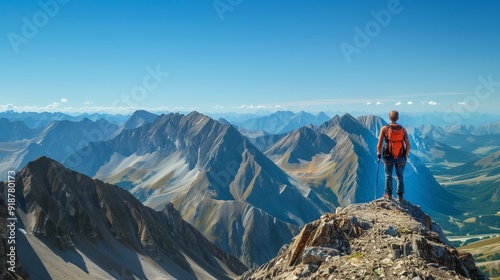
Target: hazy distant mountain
x: 283, y: 121
x: 36, y: 120
x: 137, y: 119
x: 444, y: 118
x: 436, y: 154
x: 458, y: 129
x: 433, y: 131
x: 250, y: 134
x: 117, y: 119
x: 465, y: 140
x: 485, y: 129
x: 490, y: 128
x: 75, y: 227
x: 233, y: 117
x: 15, y: 130
x: 213, y: 175
x: 39, y: 120
x: 57, y: 140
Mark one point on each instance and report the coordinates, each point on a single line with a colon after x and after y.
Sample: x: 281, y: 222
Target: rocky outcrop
x: 381, y: 239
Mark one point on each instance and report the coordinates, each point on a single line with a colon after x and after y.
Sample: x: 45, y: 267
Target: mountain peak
x: 144, y: 114
x: 379, y: 239
x: 347, y: 117
x: 346, y: 123
x: 43, y: 162
x: 137, y: 119
x: 74, y: 210
x: 322, y: 115
x: 196, y: 114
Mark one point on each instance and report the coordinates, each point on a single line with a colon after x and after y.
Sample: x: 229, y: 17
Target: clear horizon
x: 463, y: 118
x: 243, y: 57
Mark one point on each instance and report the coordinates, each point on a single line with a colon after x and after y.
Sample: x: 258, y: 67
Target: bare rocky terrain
x: 383, y: 239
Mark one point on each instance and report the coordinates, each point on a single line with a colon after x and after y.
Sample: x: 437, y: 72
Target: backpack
x: 394, y: 141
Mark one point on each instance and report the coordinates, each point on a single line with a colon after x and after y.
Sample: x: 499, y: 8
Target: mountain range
x: 14, y: 130
x: 213, y: 175
x: 282, y: 121
x: 58, y: 139
x: 249, y: 192
x: 74, y: 227
x: 38, y: 120
x: 206, y: 169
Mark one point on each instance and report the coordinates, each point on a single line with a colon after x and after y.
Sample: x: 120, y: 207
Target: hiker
x: 395, y: 153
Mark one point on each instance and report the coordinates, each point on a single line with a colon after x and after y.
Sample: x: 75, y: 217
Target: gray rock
x: 317, y: 255
x: 391, y: 231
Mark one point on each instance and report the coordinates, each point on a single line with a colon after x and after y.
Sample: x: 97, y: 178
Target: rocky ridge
x: 72, y: 212
x: 377, y: 240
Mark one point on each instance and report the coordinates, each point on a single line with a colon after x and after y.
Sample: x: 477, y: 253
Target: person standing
x: 394, y: 154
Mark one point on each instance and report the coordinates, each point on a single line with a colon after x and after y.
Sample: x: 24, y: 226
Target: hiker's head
x: 393, y: 116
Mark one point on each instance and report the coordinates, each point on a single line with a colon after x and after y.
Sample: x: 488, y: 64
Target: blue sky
x: 243, y: 56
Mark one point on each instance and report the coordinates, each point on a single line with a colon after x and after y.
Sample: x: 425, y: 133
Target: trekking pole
x: 376, y: 181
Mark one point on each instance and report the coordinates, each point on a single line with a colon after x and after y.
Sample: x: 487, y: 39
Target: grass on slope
x: 487, y: 255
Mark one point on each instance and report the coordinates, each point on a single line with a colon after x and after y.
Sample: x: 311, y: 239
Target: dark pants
x: 399, y: 163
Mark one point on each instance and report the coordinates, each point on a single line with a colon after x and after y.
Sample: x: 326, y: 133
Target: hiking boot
x: 400, y: 197
x: 388, y: 196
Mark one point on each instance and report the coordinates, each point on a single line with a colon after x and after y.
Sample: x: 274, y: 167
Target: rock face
x: 68, y: 211
x: 381, y: 239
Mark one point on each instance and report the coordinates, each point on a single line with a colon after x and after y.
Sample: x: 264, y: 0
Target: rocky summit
x: 382, y: 239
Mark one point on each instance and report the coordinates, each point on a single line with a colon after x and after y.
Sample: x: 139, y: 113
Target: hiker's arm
x: 381, y: 140
x: 407, y: 142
